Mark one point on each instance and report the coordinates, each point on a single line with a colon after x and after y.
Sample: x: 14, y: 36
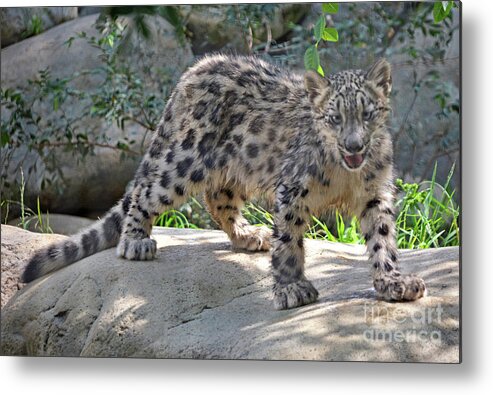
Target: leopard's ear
x: 380, y: 74
x: 317, y: 87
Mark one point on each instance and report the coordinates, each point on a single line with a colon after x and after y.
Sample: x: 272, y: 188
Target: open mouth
x: 354, y: 161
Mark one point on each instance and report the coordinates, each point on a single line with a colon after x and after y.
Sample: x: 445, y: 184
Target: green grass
x: 27, y: 215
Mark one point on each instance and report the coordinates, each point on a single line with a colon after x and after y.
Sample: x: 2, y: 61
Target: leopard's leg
x: 159, y: 185
x: 291, y: 288
x: 378, y: 226
x: 225, y: 206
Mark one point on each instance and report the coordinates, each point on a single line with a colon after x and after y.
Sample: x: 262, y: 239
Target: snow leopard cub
x: 237, y: 126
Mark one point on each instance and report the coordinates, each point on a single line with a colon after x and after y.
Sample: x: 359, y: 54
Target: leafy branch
x: 321, y: 32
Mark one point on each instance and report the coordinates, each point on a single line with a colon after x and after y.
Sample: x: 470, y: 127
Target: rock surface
x: 94, y: 184
x: 14, y: 20
x: 199, y: 299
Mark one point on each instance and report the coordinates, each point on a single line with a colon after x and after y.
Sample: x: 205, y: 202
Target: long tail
x: 102, y: 235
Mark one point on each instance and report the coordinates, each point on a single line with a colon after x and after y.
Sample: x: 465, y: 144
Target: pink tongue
x: 353, y: 161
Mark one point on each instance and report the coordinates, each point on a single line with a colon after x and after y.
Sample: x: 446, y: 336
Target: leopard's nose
x: 353, y: 143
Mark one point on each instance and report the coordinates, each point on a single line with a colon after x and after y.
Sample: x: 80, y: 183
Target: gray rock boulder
x: 212, y: 30
x: 94, y: 184
x: 61, y: 224
x: 15, y: 21
x: 199, y: 299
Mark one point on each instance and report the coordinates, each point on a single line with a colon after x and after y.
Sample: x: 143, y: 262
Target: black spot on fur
x: 289, y: 216
x: 210, y: 162
x: 291, y: 261
x: 165, y: 200
x: 300, y: 242
x: 275, y: 262
x: 285, y: 238
x: 90, y: 242
x: 229, y: 193
x: 230, y: 149
x: 197, y: 175
x: 383, y: 230
x: 388, y: 267
x: 112, y: 228
x: 183, y: 166
x: 213, y: 88
x: 376, y: 247
x: 304, y: 192
x: 393, y: 257
x: 252, y: 150
x: 238, y: 139
x: 370, y: 176
x: 165, y: 179
x: 389, y: 211
x: 372, y: 203
x: 299, y: 221
x: 206, y: 144
x: 256, y: 125
x: 179, y: 190
x: 170, y: 156
x: 126, y: 203
x: 70, y: 250
x: 189, y: 140
x: 223, y: 160
x: 271, y: 164
x: 236, y: 120
x: 200, y: 109
x: 143, y: 211
x: 156, y: 149
x: 34, y: 267
x: 272, y: 135
x: 312, y: 170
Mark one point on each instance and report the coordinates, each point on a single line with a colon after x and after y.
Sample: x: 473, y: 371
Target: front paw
x: 295, y: 294
x: 398, y: 287
x: 137, y: 250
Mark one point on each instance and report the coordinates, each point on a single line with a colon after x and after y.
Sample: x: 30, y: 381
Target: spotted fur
x: 238, y: 126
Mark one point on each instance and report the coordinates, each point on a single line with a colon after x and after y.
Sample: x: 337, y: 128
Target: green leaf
x: 330, y: 34
x: 330, y: 8
x: 320, y: 71
x: 55, y: 103
x: 311, y: 58
x: 319, y: 27
x: 441, y: 9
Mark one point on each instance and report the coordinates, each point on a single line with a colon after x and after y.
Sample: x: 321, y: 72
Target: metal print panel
x: 235, y: 181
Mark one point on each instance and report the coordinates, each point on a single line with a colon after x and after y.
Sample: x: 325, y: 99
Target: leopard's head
x: 352, y: 108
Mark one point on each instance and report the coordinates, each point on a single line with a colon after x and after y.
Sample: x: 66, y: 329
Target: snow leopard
x: 236, y: 127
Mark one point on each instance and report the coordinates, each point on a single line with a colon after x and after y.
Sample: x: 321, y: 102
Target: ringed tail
x: 104, y: 234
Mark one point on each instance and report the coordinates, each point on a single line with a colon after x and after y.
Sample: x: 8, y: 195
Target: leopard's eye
x: 367, y: 115
x: 335, y: 119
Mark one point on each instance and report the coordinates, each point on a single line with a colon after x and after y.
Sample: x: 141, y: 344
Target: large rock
x: 15, y: 21
x: 98, y: 181
x: 214, y: 30
x: 199, y: 299
x: 61, y: 224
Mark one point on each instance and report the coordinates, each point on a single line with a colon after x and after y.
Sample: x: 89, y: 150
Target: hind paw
x: 137, y: 250
x: 400, y: 287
